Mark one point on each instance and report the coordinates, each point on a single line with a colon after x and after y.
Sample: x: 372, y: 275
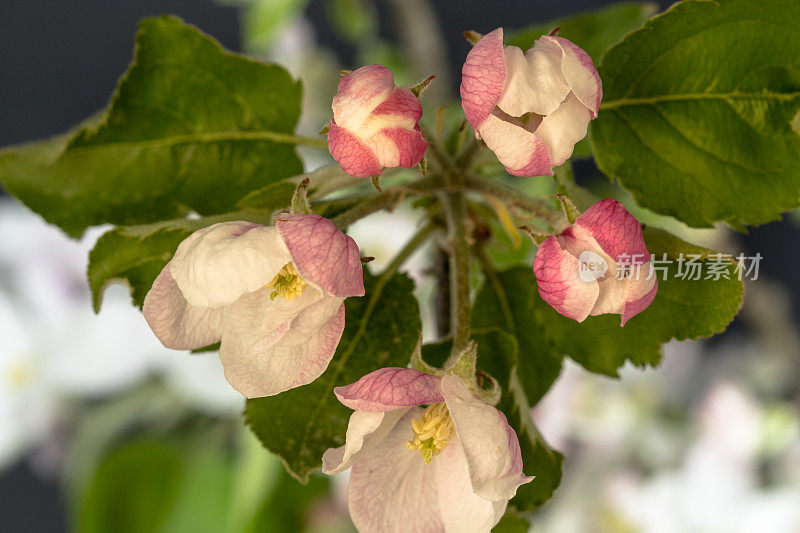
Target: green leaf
x: 682, y: 309
x: 512, y: 523
x: 271, y: 197
x: 300, y: 424
x: 595, y: 31
x: 697, y: 114
x: 499, y: 355
x: 190, y: 126
x: 136, y: 254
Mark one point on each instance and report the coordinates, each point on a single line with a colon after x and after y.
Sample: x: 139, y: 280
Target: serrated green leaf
x: 697, y: 113
x: 381, y: 330
x: 136, y: 254
x: 190, y: 126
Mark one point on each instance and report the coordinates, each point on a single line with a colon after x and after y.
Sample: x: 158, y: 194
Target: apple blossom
x: 271, y: 295
x: 598, y: 265
x: 530, y: 108
x: 450, y: 466
x: 374, y: 124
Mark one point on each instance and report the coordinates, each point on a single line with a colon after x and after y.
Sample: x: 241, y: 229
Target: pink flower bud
x: 598, y: 265
x: 530, y: 108
x: 374, y: 124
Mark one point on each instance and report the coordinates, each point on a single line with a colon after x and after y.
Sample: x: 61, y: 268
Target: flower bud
x: 374, y: 124
x: 598, y: 265
x: 530, y: 108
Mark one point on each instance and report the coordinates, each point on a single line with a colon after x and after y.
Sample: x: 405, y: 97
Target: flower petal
x: 462, y: 510
x: 355, y: 157
x: 580, y: 73
x: 519, y: 150
x: 215, y: 265
x: 401, y: 107
x: 390, y: 388
x: 398, y: 147
x: 359, y: 93
x: 490, y: 445
x: 391, y: 487
x: 364, y: 430
x: 534, y: 83
x: 557, y: 277
x: 178, y: 324
x: 636, y: 301
x: 272, y: 346
x: 483, y: 78
x: 563, y: 128
x: 617, y: 232
x: 322, y: 254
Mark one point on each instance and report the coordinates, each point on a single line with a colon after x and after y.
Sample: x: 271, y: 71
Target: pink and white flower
x: 272, y: 295
x: 450, y: 466
x: 374, y: 124
x: 530, y: 108
x: 598, y: 265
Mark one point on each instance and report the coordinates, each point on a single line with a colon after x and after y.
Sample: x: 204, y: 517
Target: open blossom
x: 374, y: 124
x: 530, y: 108
x: 450, y: 466
x: 271, y: 295
x: 598, y: 265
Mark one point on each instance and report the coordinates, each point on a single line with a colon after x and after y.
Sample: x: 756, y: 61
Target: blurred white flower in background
x: 54, y: 350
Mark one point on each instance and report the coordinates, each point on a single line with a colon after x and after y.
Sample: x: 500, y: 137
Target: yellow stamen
x: 287, y: 284
x: 432, y: 431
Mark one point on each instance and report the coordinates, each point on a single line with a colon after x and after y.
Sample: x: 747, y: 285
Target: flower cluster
x: 427, y: 453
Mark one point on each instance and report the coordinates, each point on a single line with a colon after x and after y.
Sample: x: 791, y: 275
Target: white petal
x: 391, y: 487
x: 214, y: 266
x: 490, y: 445
x: 178, y: 324
x: 516, y: 148
x: 535, y: 82
x: 271, y: 346
x: 462, y: 510
x: 365, y: 430
x: 563, y: 128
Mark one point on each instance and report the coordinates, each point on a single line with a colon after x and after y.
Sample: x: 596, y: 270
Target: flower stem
x: 460, y: 306
x: 408, y: 250
x: 537, y: 206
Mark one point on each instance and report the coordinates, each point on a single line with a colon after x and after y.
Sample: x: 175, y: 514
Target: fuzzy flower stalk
x: 426, y: 454
x: 530, y: 108
x: 273, y: 296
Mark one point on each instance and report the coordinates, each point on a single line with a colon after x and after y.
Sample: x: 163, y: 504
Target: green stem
x: 538, y: 206
x: 441, y: 157
x: 460, y: 306
x: 410, y: 247
x: 384, y: 200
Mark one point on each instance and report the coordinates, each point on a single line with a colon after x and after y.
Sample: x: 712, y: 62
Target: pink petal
x: 521, y: 152
x: 398, y: 147
x: 353, y: 156
x: 557, y: 277
x: 535, y: 83
x: 272, y: 346
x: 617, y: 232
x: 365, y: 430
x: 359, y: 93
x: 490, y: 445
x: 460, y: 508
x: 580, y: 73
x: 215, y: 265
x: 639, y: 304
x: 392, y: 489
x: 563, y: 128
x: 400, y: 104
x: 483, y: 78
x: 176, y: 323
x: 322, y: 254
x: 390, y: 388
